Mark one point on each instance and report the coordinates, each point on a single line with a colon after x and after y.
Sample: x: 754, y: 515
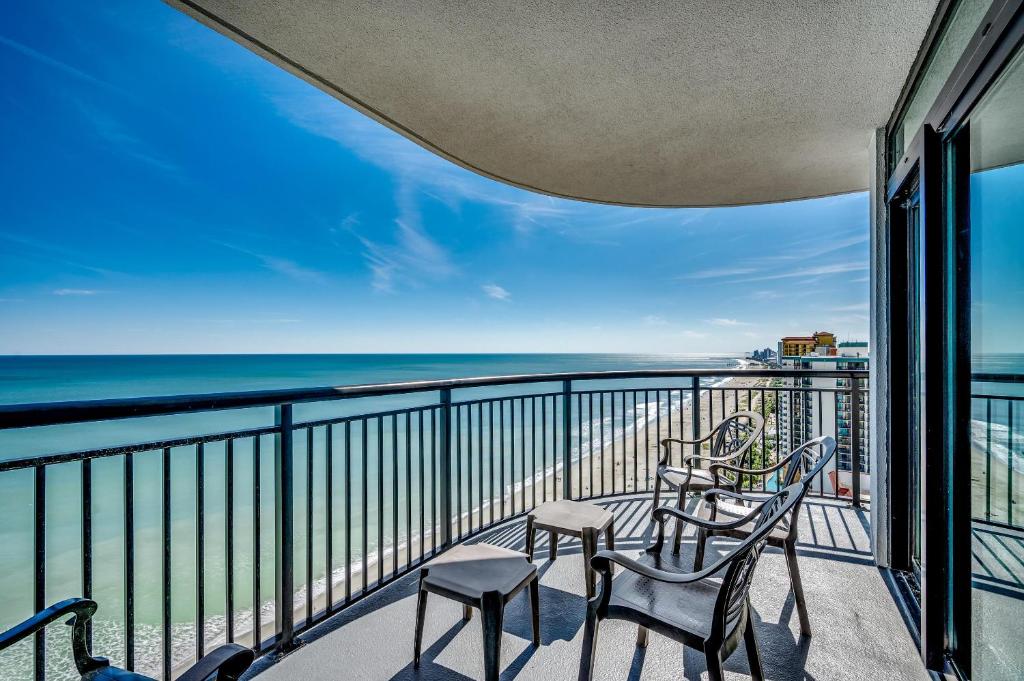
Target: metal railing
x: 997, y: 443
x: 332, y: 505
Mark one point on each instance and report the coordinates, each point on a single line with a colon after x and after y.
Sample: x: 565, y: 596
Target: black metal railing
x: 997, y: 443
x: 328, y: 498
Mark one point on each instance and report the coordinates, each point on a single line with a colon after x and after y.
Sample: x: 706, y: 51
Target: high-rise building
x: 820, y: 409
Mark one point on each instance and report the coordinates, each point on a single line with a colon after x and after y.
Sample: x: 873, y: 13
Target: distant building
x: 808, y: 414
x: 797, y: 346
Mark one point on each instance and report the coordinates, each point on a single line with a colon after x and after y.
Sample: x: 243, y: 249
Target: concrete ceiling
x: 652, y: 103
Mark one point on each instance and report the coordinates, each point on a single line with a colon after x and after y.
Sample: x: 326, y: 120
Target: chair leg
x: 467, y: 612
x: 698, y: 554
x: 535, y: 609
x: 589, y: 653
x: 589, y: 541
x: 642, y: 634
x: 677, y: 538
x: 531, y: 535
x: 552, y: 545
x: 714, y: 662
x: 421, y: 611
x: 798, y: 588
x: 753, y: 652
x: 492, y: 613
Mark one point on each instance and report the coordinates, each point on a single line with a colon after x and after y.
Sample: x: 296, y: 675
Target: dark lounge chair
x: 802, y: 465
x: 707, y: 610
x: 226, y: 663
x: 730, y: 441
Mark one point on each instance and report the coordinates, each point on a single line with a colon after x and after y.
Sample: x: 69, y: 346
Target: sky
x: 164, y: 190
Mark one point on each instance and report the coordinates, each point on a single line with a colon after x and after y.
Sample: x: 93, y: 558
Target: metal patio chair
x: 707, y: 610
x: 730, y: 441
x: 801, y: 467
x: 226, y: 663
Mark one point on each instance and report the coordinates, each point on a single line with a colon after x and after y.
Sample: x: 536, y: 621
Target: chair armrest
x: 660, y: 514
x: 711, y: 494
x: 602, y: 561
x: 226, y: 663
x: 80, y: 610
x: 666, y: 452
x: 750, y: 471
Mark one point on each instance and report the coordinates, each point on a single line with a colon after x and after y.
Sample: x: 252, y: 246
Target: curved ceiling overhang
x: 657, y: 103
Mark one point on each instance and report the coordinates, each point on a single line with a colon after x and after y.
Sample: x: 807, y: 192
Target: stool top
x: 472, y: 569
x: 571, y: 516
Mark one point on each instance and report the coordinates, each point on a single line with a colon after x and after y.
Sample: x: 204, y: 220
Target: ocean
x: 61, y: 378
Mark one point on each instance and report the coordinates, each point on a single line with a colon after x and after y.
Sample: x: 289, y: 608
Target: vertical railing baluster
x: 855, y: 437
x: 394, y: 495
x: 309, y: 525
x: 695, y: 416
x: 348, y: 510
x: 329, y: 514
x: 284, y: 547
x: 567, y: 439
x: 87, y: 540
x: 554, y: 445
x: 469, y: 471
x: 129, y: 561
x: 490, y: 459
x: 408, y: 489
x: 380, y: 500
x: 600, y: 402
x: 446, y: 467
x: 533, y: 448
x: 647, y: 440
x: 257, y: 625
x: 165, y: 564
x: 200, y: 552
x: 1009, y: 462
x: 365, y: 499
x: 579, y: 444
x: 458, y: 472
x: 590, y: 440
x: 229, y: 539
x: 422, y: 471
x: 434, y: 484
x: 39, y: 569
x: 522, y: 449
x: 480, y: 471
x: 501, y: 455
x: 988, y: 458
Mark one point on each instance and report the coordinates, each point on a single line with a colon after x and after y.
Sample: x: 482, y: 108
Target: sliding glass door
x: 993, y: 450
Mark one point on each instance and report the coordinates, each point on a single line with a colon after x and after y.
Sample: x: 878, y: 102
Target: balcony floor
x: 858, y: 629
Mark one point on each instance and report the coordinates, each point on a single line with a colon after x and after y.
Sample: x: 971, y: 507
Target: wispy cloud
x: 654, y: 320
x: 282, y: 266
x: 720, y: 272
x: 496, y: 292
x: 856, y: 307
x: 75, y: 292
x: 49, y: 61
x: 819, y: 270
x: 690, y: 333
x: 721, y: 321
x: 411, y: 257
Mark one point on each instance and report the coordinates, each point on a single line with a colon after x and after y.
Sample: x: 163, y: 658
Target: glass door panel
x: 996, y: 214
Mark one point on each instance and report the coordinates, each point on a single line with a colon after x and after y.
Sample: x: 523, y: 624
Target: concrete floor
x: 858, y: 629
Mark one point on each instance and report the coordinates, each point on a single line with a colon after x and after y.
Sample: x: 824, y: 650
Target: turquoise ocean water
x: 48, y: 379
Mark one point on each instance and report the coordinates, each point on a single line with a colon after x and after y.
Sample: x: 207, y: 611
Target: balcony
x: 854, y: 618
x: 350, y: 502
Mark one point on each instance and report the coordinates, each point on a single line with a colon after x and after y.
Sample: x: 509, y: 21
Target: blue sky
x: 165, y: 190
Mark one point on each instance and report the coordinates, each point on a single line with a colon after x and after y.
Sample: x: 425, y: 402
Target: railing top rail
x: 58, y: 413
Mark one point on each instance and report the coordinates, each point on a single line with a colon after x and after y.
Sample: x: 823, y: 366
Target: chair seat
x: 684, y: 607
x: 700, y: 478
x: 729, y: 511
x: 471, y: 570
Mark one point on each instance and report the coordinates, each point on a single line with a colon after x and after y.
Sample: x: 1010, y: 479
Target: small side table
x: 573, y: 519
x: 479, y: 576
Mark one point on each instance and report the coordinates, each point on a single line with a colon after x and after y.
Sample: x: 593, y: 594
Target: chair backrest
x: 735, y: 435
x: 807, y: 460
x: 742, y: 560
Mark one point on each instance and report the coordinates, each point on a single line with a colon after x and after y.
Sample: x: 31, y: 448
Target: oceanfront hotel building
x: 808, y: 413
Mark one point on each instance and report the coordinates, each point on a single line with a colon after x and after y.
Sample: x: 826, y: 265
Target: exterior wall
x: 878, y: 395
